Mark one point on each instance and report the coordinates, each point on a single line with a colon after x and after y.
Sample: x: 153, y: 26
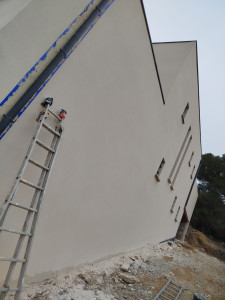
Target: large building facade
x: 125, y: 171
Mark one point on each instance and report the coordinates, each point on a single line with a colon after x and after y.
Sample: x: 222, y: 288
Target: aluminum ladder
x: 170, y: 291
x: 33, y: 208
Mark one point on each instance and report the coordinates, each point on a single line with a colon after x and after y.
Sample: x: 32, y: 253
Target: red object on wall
x: 63, y: 114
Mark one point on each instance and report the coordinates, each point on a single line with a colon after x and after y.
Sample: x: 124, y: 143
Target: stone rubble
x: 135, y: 275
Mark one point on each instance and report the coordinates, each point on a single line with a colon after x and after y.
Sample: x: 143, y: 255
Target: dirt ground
x: 139, y: 274
x: 198, y: 240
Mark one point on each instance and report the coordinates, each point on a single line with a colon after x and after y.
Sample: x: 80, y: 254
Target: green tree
x: 209, y: 213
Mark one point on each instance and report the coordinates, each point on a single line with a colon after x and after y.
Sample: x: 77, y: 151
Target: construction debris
x: 135, y: 275
x: 201, y: 297
x: 128, y: 278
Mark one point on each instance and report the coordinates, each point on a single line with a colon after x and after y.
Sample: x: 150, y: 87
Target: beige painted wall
x: 9, y: 9
x: 180, y: 58
x: 28, y: 36
x: 102, y: 195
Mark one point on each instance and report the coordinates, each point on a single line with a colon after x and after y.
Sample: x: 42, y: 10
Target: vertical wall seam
x: 179, y: 154
x: 181, y: 162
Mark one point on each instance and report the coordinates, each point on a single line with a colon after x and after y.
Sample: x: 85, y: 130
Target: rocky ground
x: 140, y: 274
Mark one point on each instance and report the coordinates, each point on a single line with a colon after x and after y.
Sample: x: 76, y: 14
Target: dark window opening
x: 159, y: 170
x: 184, y: 113
x: 177, y: 214
x: 189, y: 163
x: 192, y: 172
x: 172, y: 207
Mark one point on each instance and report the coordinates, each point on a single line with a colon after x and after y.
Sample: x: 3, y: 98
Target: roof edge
x: 173, y: 42
x: 153, y: 53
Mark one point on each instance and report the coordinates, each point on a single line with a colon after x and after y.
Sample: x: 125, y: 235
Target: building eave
x: 155, y: 63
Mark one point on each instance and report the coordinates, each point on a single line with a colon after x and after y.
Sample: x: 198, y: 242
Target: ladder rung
x: 175, y: 284
x: 45, y: 146
x: 173, y: 287
x: 57, y: 117
x: 169, y: 294
x: 176, y: 289
x: 50, y: 129
x: 9, y: 289
x: 23, y: 207
x: 12, y: 259
x: 165, y: 297
x: 15, y: 231
x: 171, y: 290
x: 31, y: 184
x: 38, y: 164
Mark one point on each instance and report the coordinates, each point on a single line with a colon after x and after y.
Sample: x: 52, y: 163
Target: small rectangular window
x: 174, y: 202
x: 192, y: 172
x: 159, y: 170
x: 177, y: 214
x: 185, y: 112
x: 189, y: 163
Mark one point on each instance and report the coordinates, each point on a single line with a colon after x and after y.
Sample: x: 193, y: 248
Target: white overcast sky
x: 204, y: 21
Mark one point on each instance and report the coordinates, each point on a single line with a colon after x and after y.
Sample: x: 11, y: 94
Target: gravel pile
x: 135, y: 275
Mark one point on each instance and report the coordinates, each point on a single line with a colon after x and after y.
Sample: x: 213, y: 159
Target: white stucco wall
x: 102, y: 195
x: 29, y: 35
x: 9, y: 9
x: 180, y: 87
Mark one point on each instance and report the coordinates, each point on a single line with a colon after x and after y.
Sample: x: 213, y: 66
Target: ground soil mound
x: 199, y: 240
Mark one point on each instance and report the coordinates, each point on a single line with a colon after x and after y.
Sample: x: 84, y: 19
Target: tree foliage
x: 209, y: 213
